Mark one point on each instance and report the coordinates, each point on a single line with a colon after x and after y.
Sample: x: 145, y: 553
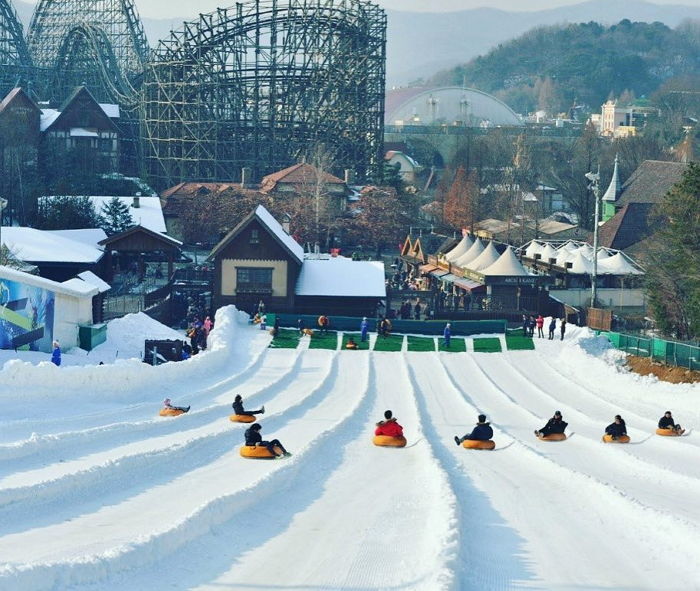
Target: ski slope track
x: 97, y: 492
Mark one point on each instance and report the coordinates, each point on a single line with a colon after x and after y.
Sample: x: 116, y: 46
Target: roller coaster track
x: 13, y: 49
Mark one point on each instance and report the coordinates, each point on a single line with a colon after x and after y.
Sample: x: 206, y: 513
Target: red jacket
x: 540, y: 322
x: 390, y: 428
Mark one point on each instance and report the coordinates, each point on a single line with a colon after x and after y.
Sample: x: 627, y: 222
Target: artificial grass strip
x: 421, y: 344
x: 487, y: 345
x: 356, y: 337
x: 391, y: 343
x: 519, y: 343
x: 324, y: 341
x: 457, y: 345
x: 285, y: 339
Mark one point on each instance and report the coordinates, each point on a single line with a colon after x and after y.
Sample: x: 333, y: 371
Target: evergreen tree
x: 673, y: 277
x: 116, y: 217
x: 66, y: 212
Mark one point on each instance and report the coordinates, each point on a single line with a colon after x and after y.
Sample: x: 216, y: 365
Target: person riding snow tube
x: 388, y: 432
x: 479, y: 438
x: 554, y: 429
x: 668, y: 426
x: 169, y: 410
x: 616, y: 432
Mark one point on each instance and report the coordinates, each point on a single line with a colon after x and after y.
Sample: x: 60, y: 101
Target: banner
x: 26, y: 317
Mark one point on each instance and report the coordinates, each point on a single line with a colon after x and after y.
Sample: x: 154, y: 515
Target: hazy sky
x: 189, y: 9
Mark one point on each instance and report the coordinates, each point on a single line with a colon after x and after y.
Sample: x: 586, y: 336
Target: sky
x: 187, y: 9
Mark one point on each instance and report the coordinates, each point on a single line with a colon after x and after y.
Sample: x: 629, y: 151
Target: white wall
x: 609, y: 297
x: 69, y: 314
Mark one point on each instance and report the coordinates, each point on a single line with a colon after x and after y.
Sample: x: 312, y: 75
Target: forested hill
x: 548, y: 67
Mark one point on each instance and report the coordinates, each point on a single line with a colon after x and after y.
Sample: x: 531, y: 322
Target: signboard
x: 26, y: 316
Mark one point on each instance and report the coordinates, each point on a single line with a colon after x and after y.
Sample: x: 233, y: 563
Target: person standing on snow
x: 447, y: 334
x: 364, y: 327
x: 562, y: 328
x: 389, y: 426
x: 552, y: 328
x: 540, y: 326
x: 482, y: 432
x: 56, y: 354
x: 554, y: 425
x: 254, y: 439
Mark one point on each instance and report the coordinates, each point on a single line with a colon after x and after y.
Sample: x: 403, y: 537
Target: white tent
x: 586, y: 250
x: 533, y: 248
x: 564, y: 256
x: 548, y: 252
x: 506, y: 265
x: 476, y: 249
x: 485, y: 259
x: 581, y: 265
x: 617, y: 265
x: 603, y: 254
x: 462, y: 247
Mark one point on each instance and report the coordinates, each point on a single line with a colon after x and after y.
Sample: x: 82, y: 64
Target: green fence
x: 669, y: 352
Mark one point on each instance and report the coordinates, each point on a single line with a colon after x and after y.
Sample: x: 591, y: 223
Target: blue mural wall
x: 26, y: 316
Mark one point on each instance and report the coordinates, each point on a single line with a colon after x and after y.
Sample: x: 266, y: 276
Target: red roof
x: 299, y: 174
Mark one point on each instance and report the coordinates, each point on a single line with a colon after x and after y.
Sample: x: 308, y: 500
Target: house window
x: 254, y: 237
x: 253, y: 280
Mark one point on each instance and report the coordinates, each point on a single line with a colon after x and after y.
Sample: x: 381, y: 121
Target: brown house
x: 256, y: 261
x: 84, y: 126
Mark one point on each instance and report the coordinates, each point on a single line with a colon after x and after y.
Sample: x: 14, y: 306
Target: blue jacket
x: 56, y: 356
x: 364, y: 326
x: 447, y: 333
x: 482, y: 432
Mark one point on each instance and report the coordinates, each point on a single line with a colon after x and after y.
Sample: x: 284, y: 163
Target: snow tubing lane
x: 552, y: 437
x: 667, y: 433
x: 609, y: 439
x: 388, y: 441
x: 258, y: 452
x: 171, y: 412
x: 242, y: 418
x: 474, y: 444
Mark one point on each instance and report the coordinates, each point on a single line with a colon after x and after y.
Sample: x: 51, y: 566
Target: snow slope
x: 97, y: 492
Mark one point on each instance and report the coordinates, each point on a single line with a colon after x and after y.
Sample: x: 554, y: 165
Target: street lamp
x: 594, y: 178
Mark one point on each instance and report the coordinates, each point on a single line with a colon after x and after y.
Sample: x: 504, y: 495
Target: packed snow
x: 98, y: 492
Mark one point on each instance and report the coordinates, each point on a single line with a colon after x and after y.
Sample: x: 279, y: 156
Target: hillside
x: 549, y: 67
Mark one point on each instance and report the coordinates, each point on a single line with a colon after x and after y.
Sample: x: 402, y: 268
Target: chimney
x: 245, y: 177
x: 349, y: 176
x: 137, y: 201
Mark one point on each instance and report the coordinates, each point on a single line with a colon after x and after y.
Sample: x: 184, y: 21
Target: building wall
x: 71, y: 312
x: 279, y: 275
x: 610, y: 297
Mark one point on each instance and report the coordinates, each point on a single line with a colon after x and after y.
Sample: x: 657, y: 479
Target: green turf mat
x: 487, y: 345
x: 391, y: 343
x: 285, y: 339
x: 421, y: 344
x: 324, y: 341
x: 519, y: 343
x: 457, y: 345
x: 356, y: 337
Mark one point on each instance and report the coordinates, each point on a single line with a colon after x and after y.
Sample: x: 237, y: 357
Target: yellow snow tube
x: 667, y: 432
x: 474, y: 444
x: 609, y: 439
x: 388, y: 441
x: 242, y: 418
x: 171, y: 412
x: 258, y: 452
x: 552, y: 437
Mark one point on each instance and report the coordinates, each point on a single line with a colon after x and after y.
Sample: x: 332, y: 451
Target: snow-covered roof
x: 474, y: 251
x: 83, y: 132
x: 276, y: 228
x: 48, y: 116
x: 89, y: 236
x: 38, y: 246
x: 149, y: 214
x: 111, y: 110
x: 485, y: 259
x: 506, y: 265
x: 340, y: 276
x: 67, y: 288
x: 95, y: 281
x: 462, y: 247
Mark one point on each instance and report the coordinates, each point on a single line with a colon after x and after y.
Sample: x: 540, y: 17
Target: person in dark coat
x: 447, y: 334
x: 254, y: 439
x: 667, y: 422
x: 482, y: 432
x: 526, y: 325
x: 56, y: 354
x: 617, y: 428
x: 416, y: 311
x: 562, y: 328
x: 239, y: 410
x: 364, y: 327
x: 554, y: 425
x: 531, y: 322
x: 300, y: 326
x: 552, y: 328
x: 389, y: 426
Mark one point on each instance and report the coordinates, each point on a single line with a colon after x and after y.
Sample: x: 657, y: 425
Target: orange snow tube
x: 242, y: 418
x: 171, y: 412
x: 667, y: 432
x: 388, y: 441
x: 552, y: 437
x: 609, y: 439
x: 258, y: 452
x: 474, y: 444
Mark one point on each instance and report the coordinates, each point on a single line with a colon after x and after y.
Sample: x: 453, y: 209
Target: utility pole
x: 594, y: 178
x: 3, y: 205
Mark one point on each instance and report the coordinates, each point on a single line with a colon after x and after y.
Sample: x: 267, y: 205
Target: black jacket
x: 238, y: 407
x: 666, y: 422
x: 554, y: 426
x: 252, y: 436
x: 482, y: 432
x: 616, y: 430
